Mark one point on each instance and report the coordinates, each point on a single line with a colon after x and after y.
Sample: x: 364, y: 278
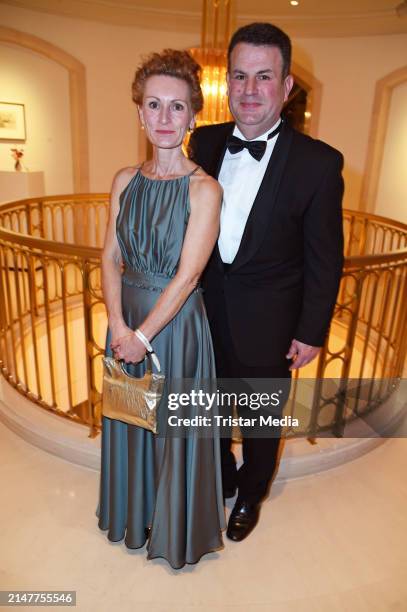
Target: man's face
x: 255, y: 87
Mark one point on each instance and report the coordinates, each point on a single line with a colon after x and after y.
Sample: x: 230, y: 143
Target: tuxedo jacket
x: 284, y: 280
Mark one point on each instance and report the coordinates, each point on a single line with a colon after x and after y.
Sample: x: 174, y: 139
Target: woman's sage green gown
x: 171, y: 485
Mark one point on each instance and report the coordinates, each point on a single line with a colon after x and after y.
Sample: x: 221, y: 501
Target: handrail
x: 358, y: 261
x: 350, y: 262
x: 51, y: 246
x: 55, y: 198
x: 379, y: 218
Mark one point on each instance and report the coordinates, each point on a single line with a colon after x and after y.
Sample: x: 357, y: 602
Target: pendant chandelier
x: 212, y: 56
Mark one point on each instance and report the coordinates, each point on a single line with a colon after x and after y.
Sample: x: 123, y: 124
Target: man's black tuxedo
x: 284, y: 279
x: 282, y: 283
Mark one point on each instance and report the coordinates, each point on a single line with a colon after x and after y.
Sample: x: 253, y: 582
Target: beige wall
x: 43, y: 87
x: 392, y: 191
x: 347, y: 67
x: 110, y: 54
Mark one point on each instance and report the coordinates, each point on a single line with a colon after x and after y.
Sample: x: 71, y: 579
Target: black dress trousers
x: 259, y: 453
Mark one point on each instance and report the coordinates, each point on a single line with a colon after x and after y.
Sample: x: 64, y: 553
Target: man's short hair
x: 264, y: 34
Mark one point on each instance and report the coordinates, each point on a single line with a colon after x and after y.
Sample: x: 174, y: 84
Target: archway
x: 377, y: 135
x: 77, y: 92
x: 313, y: 87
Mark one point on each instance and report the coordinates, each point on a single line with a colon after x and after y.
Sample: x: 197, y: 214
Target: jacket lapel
x: 260, y: 214
x: 222, y: 150
x: 218, y: 160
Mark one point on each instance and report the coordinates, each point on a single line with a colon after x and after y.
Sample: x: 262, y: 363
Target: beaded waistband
x: 152, y: 282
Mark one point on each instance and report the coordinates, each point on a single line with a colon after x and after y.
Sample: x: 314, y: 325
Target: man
x: 272, y: 281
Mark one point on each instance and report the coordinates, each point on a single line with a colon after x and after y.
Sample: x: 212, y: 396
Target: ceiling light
x: 211, y: 55
x: 294, y: 2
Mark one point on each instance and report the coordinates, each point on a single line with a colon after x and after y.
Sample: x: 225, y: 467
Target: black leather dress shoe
x: 243, y: 519
x: 229, y: 492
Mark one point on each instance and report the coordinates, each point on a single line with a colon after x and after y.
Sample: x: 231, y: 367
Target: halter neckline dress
x: 163, y: 491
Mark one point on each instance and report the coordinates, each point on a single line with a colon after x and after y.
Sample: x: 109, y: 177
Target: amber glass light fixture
x: 212, y: 56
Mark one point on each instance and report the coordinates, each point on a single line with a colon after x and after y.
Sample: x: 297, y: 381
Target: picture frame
x: 12, y: 121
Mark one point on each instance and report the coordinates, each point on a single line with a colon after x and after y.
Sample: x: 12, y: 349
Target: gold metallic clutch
x: 130, y: 399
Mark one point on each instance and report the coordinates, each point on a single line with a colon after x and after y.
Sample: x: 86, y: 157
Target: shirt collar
x: 238, y: 133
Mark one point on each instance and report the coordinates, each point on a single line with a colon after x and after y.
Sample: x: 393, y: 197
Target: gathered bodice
x: 151, y: 223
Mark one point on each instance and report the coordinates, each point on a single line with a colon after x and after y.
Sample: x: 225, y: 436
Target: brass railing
x: 53, y: 319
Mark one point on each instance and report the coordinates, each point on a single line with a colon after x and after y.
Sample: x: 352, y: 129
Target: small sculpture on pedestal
x: 17, y: 155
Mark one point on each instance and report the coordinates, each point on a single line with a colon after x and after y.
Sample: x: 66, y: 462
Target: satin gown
x: 169, y: 487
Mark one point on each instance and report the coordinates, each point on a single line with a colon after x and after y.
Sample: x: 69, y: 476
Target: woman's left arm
x: 200, y: 238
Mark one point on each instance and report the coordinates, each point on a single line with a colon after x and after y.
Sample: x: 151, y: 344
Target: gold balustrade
x: 53, y: 319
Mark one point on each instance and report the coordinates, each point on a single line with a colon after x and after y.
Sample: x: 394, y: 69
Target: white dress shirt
x: 240, y: 176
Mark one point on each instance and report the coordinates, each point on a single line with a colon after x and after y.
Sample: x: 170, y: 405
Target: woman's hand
x: 129, y: 348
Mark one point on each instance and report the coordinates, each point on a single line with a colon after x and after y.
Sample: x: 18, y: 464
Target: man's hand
x: 301, y: 353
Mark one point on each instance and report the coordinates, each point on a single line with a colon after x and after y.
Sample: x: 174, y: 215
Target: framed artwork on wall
x: 12, y: 121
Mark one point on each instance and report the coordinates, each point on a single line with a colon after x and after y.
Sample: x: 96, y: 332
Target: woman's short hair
x: 170, y: 62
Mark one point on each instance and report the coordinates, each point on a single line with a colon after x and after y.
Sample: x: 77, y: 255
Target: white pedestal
x: 21, y: 185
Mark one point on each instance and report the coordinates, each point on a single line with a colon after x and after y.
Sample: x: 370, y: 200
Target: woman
x: 163, y: 225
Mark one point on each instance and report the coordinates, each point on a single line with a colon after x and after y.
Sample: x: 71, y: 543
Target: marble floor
x: 331, y: 542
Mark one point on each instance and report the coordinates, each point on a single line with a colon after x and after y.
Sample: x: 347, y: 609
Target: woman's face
x: 166, y: 111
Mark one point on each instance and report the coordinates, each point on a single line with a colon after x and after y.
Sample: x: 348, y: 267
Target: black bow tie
x: 256, y: 148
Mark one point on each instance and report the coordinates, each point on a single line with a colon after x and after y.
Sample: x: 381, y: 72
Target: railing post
x: 87, y: 304
x: 316, y: 398
x: 79, y: 227
x: 339, y: 422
